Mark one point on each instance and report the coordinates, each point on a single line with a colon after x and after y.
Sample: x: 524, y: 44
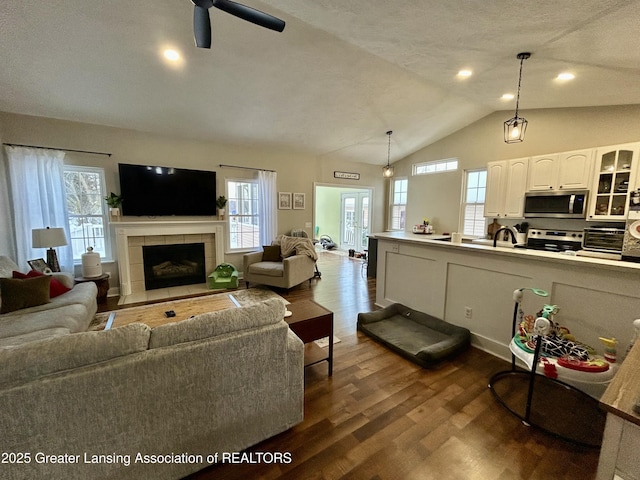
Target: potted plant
x: 221, y: 202
x: 114, y: 202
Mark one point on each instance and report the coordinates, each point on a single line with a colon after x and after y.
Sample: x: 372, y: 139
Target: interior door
x: 354, y: 221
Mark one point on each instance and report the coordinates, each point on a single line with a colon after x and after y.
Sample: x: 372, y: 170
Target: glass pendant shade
x: 514, y: 129
x: 387, y: 172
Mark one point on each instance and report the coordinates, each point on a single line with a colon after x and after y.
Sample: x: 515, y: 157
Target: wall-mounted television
x: 154, y: 191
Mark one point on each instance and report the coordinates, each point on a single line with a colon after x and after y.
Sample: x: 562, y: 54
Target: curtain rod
x: 246, y: 168
x: 53, y: 148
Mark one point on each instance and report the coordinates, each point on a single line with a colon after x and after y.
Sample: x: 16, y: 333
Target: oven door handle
x: 572, y: 200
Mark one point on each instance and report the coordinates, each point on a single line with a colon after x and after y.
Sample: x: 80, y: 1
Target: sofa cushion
x: 56, y: 289
x: 212, y: 324
x: 271, y: 253
x: 270, y: 269
x: 42, y: 334
x: 22, y: 293
x: 7, y: 266
x: 83, y: 293
x: 45, y: 357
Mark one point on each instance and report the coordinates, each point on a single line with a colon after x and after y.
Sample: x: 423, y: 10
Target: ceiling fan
x: 202, y: 22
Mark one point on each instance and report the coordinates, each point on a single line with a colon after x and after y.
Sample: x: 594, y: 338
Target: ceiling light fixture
x: 171, y: 54
x: 515, y: 128
x: 566, y: 76
x: 387, y: 172
x: 508, y: 96
x: 465, y: 73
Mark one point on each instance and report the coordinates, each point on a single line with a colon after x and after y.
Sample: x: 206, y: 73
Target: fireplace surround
x: 132, y: 236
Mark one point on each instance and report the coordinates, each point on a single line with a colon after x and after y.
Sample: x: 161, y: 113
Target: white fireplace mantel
x: 124, y: 230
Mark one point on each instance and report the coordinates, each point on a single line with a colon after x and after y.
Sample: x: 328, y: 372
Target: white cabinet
x: 506, y: 184
x: 615, y: 171
x: 561, y: 171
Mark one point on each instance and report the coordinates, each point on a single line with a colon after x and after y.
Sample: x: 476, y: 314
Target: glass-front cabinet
x: 616, y: 167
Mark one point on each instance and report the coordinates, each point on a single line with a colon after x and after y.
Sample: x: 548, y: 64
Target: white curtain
x: 7, y: 240
x: 268, y: 206
x: 36, y: 178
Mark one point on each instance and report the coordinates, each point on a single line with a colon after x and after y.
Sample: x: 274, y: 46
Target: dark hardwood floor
x: 383, y: 417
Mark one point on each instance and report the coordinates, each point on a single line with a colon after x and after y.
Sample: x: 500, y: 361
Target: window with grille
x: 437, y: 166
x: 398, y: 203
x: 243, y: 213
x: 85, y: 192
x: 473, y: 222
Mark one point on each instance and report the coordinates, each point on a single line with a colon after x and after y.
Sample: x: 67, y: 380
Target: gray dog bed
x: 421, y: 338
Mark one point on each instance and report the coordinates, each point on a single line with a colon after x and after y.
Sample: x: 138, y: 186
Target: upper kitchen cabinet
x: 561, y: 171
x: 506, y: 184
x: 616, y: 166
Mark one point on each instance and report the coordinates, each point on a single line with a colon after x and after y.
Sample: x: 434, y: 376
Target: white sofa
x: 68, y: 313
x: 218, y: 382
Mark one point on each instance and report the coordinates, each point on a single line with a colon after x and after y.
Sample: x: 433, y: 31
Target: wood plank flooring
x: 382, y: 417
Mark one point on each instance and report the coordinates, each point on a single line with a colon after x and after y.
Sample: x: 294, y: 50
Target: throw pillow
x: 56, y: 289
x: 271, y: 253
x: 22, y: 293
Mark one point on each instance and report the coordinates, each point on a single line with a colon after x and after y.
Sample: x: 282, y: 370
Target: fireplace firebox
x: 173, y: 265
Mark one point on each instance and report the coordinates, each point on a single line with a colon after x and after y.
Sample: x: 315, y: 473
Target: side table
x: 311, y: 321
x: 102, y: 282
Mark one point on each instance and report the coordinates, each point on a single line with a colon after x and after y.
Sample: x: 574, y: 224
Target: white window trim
x: 229, y: 249
x: 463, y: 198
x: 105, y: 214
x: 435, y: 166
x: 392, y: 204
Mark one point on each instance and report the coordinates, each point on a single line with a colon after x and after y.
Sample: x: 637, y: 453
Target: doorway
x: 344, y: 214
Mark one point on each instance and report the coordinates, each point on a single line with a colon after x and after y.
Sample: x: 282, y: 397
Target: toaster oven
x: 601, y: 239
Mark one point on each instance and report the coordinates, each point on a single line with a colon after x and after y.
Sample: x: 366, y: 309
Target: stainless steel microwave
x: 569, y: 204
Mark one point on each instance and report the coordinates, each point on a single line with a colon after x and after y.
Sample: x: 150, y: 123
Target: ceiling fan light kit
x: 202, y: 22
x: 387, y: 171
x: 515, y: 128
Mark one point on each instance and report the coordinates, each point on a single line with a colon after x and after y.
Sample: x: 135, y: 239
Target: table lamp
x: 49, y: 238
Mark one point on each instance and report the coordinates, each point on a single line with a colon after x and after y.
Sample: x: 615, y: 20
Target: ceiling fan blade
x: 250, y: 14
x: 201, y: 27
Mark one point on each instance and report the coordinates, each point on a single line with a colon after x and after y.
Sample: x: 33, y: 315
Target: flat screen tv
x: 155, y: 191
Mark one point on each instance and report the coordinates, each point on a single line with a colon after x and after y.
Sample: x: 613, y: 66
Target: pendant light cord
x: 522, y: 56
x: 389, y: 148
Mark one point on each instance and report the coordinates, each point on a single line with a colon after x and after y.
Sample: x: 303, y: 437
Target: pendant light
x: 515, y: 127
x: 387, y: 172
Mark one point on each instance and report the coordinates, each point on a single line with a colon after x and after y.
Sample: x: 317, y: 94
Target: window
x: 398, y: 203
x: 244, y: 221
x: 85, y: 192
x: 437, y: 166
x: 473, y: 204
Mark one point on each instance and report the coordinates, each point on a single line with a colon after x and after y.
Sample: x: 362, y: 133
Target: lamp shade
x: 48, y: 237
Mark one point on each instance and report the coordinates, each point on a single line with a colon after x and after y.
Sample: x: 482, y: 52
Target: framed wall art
x: 284, y: 200
x: 298, y: 201
x: 39, y: 265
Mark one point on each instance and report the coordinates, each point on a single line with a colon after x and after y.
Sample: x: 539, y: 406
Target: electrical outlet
x: 468, y: 312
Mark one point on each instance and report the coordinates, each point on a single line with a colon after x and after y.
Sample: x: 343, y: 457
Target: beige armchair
x: 268, y: 267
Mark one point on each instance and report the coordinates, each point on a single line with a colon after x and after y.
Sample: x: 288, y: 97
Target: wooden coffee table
x: 311, y: 321
x: 154, y: 315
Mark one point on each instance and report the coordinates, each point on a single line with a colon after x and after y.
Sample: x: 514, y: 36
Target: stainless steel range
x: 554, y: 240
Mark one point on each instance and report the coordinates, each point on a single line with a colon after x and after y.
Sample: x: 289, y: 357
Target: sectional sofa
x: 135, y: 402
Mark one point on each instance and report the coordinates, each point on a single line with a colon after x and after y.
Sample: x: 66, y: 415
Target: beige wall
x: 296, y: 172
x: 551, y: 130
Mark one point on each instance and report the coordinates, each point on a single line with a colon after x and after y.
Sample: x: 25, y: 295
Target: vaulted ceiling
x: 341, y: 74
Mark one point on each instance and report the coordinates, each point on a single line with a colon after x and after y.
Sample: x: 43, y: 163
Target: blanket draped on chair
x: 296, y: 246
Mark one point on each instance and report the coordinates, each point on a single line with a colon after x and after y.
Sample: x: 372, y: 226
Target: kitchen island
x: 472, y: 285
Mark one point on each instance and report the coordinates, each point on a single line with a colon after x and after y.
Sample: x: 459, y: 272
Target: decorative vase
x: 221, y: 212
x: 114, y: 214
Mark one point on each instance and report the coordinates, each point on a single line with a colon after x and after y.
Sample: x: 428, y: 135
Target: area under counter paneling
x: 414, y: 282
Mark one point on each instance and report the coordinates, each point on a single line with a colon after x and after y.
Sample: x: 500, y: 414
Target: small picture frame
x: 284, y: 200
x: 39, y: 265
x: 298, y: 201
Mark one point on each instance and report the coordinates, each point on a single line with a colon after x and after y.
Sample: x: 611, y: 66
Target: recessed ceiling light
x: 566, y: 76
x: 508, y: 96
x: 171, y: 54
x: 465, y: 73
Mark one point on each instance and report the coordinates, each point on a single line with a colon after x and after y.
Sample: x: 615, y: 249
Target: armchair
x: 224, y: 276
x: 287, y: 272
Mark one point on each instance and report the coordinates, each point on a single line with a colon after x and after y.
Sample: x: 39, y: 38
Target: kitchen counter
x: 472, y: 286
x: 442, y: 241
x: 618, y: 456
